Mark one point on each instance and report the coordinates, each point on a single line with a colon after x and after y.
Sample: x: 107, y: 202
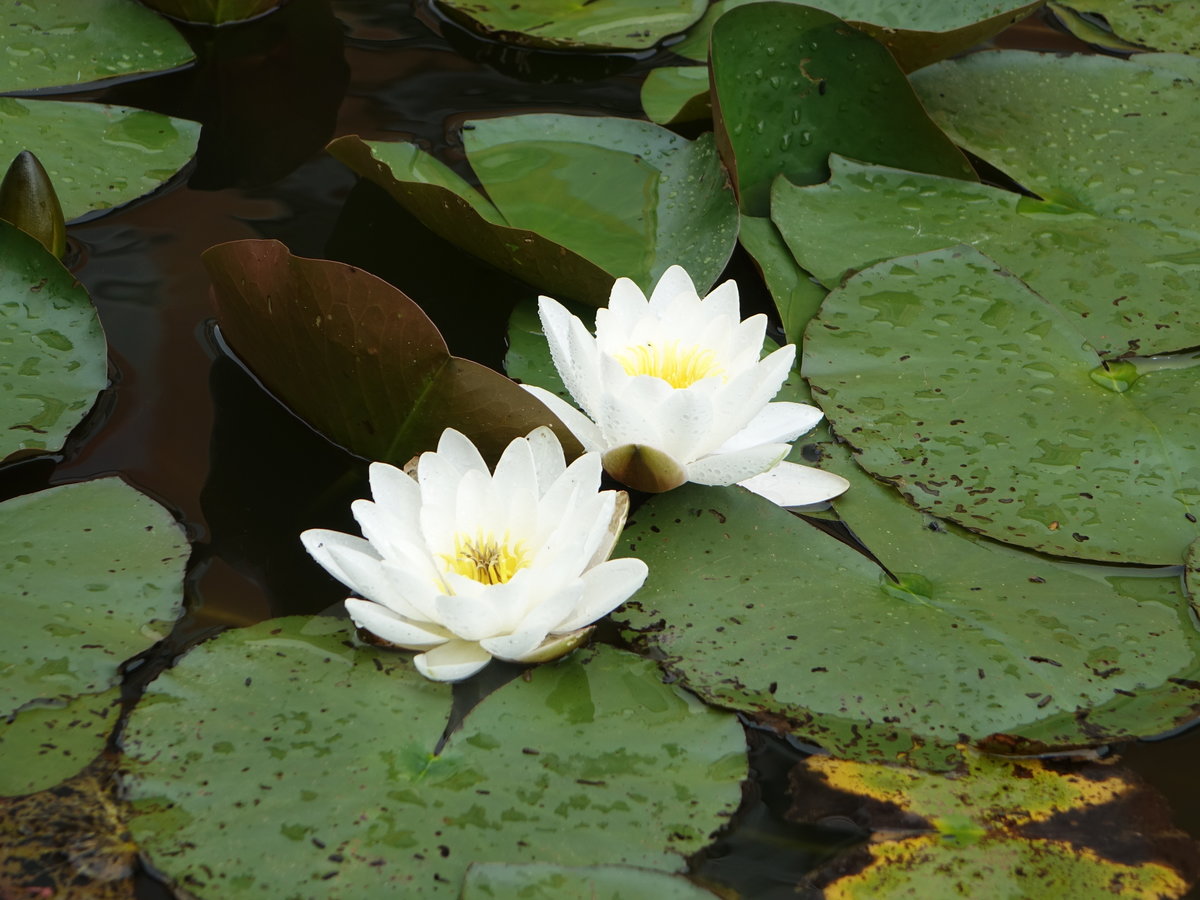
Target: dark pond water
x: 186, y: 424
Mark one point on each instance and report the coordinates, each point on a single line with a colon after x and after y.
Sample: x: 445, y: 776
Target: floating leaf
x: 93, y: 571
x: 528, y: 359
x: 53, y: 358
x: 47, y: 744
x: 579, y: 201
x: 70, y: 42
x: 97, y: 156
x: 985, y: 405
x: 1091, y: 29
x: 916, y: 32
x: 1128, y: 287
x: 540, y: 881
x: 797, y: 296
x: 1171, y: 25
x: 674, y: 94
x: 590, y: 760
x: 1107, y: 136
x: 357, y: 359
x: 581, y: 25
x: 977, y: 642
x: 213, y: 12
x: 1020, y: 828
x: 846, y: 95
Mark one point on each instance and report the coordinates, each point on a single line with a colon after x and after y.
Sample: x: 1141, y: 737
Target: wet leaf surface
x: 70, y: 42
x: 916, y: 33
x: 53, y: 357
x: 1128, y: 287
x: 586, y: 761
x: 580, y: 25
x: 972, y: 641
x: 1090, y: 133
x: 93, y: 574
x: 1020, y: 828
x: 213, y: 12
x: 773, y: 117
x: 1170, y: 25
x: 357, y: 359
x: 575, y: 201
x: 674, y: 94
x: 97, y: 156
x: 984, y: 404
x: 44, y: 745
x: 539, y: 881
x: 797, y: 296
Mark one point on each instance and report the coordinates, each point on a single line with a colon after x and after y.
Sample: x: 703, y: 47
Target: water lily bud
x: 644, y: 468
x: 28, y: 201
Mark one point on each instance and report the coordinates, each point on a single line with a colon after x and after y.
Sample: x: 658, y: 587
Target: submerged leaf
x: 776, y: 116
x: 53, y: 357
x: 586, y: 761
x: 357, y: 359
x: 1022, y: 829
x: 985, y: 405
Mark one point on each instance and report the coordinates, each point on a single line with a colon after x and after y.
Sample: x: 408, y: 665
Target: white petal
x: 731, y: 468
x: 548, y: 459
x: 401, y: 544
x: 616, y: 522
x: 776, y: 423
x: 514, y: 489
x: 319, y: 543
x: 395, y: 629
x: 673, y: 283
x: 723, y: 301
x: 456, y: 448
x: 686, y: 422
x: 790, y: 484
x: 605, y: 588
x: 452, y: 661
x: 532, y: 630
x: 555, y: 646
x: 627, y: 306
x: 749, y: 391
x: 478, y: 611
x: 587, y: 431
x: 396, y: 492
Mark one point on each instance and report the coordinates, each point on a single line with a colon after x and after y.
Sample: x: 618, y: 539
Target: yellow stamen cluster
x: 677, y: 367
x: 485, y: 559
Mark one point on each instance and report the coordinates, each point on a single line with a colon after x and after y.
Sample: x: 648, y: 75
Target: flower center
x: 485, y: 559
x: 678, y: 367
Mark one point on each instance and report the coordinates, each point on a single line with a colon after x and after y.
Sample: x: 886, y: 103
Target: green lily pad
x: 94, y: 575
x: 44, y: 745
x: 774, y: 116
x: 53, y: 358
x: 1017, y: 827
x: 358, y: 360
x: 575, y: 201
x: 1107, y: 136
x: 1129, y: 287
x: 674, y: 94
x: 528, y: 359
x: 916, y: 32
x: 977, y: 642
x: 97, y: 156
x: 986, y: 405
x: 579, y: 25
x: 797, y: 296
x: 1091, y: 29
x: 1170, y: 25
x: 541, y: 881
x: 70, y: 42
x: 590, y: 760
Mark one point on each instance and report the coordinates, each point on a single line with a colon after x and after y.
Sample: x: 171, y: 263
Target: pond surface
x: 187, y: 425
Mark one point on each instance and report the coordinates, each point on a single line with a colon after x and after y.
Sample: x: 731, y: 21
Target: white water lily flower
x: 672, y: 390
x: 465, y: 564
